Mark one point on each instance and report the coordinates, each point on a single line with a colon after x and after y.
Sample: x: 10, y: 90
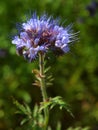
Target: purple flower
x: 40, y: 35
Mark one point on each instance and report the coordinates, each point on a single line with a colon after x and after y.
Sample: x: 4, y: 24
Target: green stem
x: 43, y: 87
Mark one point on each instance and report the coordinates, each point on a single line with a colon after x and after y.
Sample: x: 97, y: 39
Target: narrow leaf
x: 24, y: 121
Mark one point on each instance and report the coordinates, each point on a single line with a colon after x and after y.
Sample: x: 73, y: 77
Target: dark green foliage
x: 75, y: 74
x: 56, y: 101
x: 33, y: 117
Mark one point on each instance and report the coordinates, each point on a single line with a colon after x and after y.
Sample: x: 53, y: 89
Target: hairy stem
x: 43, y: 87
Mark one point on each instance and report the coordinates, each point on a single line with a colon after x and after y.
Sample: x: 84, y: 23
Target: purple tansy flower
x: 40, y: 35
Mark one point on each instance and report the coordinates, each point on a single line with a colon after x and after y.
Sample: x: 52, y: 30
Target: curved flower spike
x: 40, y: 35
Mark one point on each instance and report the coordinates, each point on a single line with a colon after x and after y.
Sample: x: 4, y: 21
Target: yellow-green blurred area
x: 75, y: 74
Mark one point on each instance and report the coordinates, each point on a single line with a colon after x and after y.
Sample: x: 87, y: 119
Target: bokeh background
x: 75, y: 73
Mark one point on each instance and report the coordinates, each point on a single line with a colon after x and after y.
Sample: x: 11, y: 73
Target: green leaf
x: 44, y: 105
x: 35, y: 111
x: 20, y: 107
x: 52, y: 102
x: 19, y: 112
x: 47, y: 69
x: 27, y: 108
x: 48, y: 83
x: 49, y: 128
x: 24, y: 121
x: 52, y: 105
x: 58, y: 126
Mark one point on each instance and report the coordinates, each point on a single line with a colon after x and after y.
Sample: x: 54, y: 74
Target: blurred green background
x: 76, y: 73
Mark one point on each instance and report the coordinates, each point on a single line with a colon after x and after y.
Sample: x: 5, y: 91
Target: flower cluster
x: 40, y: 35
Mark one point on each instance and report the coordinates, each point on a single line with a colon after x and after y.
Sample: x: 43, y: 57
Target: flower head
x: 40, y: 35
